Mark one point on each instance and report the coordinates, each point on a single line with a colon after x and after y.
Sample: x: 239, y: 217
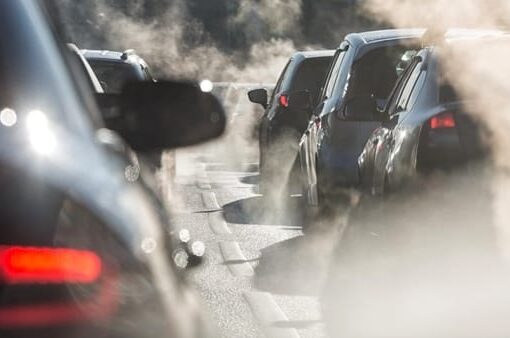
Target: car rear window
x: 311, y: 75
x: 114, y: 75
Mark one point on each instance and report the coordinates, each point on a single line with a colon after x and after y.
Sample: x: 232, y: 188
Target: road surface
x: 261, y: 276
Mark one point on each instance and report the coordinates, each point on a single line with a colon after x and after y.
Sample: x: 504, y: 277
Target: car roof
x: 370, y: 37
x: 298, y: 57
x: 112, y: 56
x: 310, y: 54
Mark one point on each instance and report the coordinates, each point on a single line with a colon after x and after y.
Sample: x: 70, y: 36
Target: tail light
x: 26, y: 268
x: 444, y: 120
x: 283, y: 100
x: 27, y: 265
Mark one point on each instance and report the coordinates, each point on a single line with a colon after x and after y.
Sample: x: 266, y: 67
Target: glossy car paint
x: 62, y: 152
x: 404, y: 145
x: 330, y: 146
x: 277, y: 119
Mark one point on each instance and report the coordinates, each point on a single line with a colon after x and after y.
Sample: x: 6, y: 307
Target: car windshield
x: 114, y: 75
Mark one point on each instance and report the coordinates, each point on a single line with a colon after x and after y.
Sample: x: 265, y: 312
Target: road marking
x: 218, y: 224
x: 204, y: 186
x: 267, y: 312
x: 210, y: 201
x: 235, y: 259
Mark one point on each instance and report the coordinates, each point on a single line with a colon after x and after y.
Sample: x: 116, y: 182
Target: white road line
x: 218, y: 224
x: 235, y: 259
x: 210, y: 201
x: 268, y: 313
x: 204, y: 186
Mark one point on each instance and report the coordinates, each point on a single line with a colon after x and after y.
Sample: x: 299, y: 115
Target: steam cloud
x: 435, y: 264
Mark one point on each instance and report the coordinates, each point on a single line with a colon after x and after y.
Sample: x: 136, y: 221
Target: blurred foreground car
x: 83, y: 251
x: 134, y: 164
x: 282, y: 125
x: 364, y: 70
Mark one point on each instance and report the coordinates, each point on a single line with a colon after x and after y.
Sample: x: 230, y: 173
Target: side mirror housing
x: 258, y: 96
x: 360, y: 109
x: 300, y: 100
x: 153, y: 116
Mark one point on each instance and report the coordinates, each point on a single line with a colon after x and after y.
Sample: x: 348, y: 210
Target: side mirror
x: 153, y: 116
x: 300, y: 100
x: 361, y: 109
x: 258, y: 96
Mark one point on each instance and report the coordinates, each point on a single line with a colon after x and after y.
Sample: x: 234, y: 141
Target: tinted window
x: 375, y: 74
x: 333, y: 75
x: 408, y: 85
x: 310, y: 75
x: 278, y: 86
x: 397, y: 90
x: 114, y: 75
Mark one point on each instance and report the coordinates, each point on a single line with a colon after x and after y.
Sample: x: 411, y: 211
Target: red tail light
x: 283, y: 100
x: 27, y: 265
x: 33, y: 265
x: 442, y: 121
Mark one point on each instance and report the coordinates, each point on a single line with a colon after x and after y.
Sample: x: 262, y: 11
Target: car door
x: 268, y: 114
x: 374, y: 158
x: 310, y: 138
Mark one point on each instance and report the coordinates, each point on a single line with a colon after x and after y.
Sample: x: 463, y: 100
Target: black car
x: 424, y: 126
x: 83, y: 250
x: 282, y: 125
x: 115, y: 69
x: 364, y: 70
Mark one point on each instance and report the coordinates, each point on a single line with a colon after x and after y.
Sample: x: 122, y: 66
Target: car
x: 281, y: 126
x: 115, y: 69
x: 83, y: 250
x: 364, y: 70
x: 424, y: 126
x: 422, y: 241
x: 137, y: 164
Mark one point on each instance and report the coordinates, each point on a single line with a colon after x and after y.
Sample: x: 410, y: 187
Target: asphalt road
x: 261, y: 276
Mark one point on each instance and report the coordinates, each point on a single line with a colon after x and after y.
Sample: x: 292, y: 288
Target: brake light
x: 29, y: 265
x: 283, y: 100
x: 442, y: 121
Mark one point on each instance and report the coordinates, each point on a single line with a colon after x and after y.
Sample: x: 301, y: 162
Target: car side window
x: 416, y: 90
x: 279, y: 83
x: 397, y: 90
x: 407, y: 86
x: 333, y: 75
